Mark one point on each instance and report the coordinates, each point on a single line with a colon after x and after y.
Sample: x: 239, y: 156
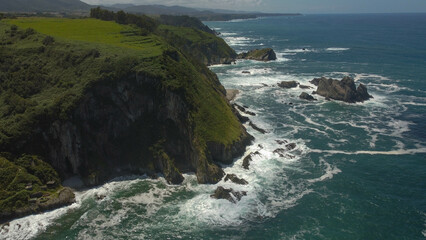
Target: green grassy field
x: 94, y: 31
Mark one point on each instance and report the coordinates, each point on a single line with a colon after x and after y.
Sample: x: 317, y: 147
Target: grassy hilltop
x: 48, y: 65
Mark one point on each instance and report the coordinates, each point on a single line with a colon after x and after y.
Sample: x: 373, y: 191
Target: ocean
x: 358, y: 170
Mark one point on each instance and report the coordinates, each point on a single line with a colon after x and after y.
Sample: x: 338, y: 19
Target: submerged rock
x: 246, y: 72
x: 281, y: 142
x: 306, y: 96
x: 288, y: 84
x: 266, y: 54
x: 228, y: 194
x: 255, y: 127
x: 235, y: 179
x: 343, y: 90
x: 280, y: 151
x: 290, y: 146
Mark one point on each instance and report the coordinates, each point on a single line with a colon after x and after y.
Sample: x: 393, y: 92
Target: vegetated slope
x: 204, y: 47
x: 105, y: 102
x: 42, y: 5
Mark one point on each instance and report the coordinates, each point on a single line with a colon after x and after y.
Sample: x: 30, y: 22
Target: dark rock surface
x: 343, y: 90
x: 235, y: 179
x: 281, y: 142
x: 316, y: 81
x: 304, y: 86
x: 306, y: 96
x: 103, y: 139
x: 248, y: 159
x: 241, y: 118
x: 255, y: 127
x: 288, y: 84
x: 290, y: 146
x: 228, y: 194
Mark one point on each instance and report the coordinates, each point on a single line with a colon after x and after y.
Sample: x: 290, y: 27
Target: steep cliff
x: 104, y: 109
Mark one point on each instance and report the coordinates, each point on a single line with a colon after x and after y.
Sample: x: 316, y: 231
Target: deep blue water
x: 358, y: 171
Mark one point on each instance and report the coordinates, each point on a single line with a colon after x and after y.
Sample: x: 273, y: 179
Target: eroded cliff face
x: 131, y: 126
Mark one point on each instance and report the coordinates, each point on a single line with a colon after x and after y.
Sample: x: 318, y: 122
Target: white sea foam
x: 337, y: 49
x: 300, y: 50
x: 28, y: 227
x: 392, y: 152
x: 226, y: 34
x: 330, y: 171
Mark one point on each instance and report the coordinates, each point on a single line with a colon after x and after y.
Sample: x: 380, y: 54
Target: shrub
x: 48, y: 40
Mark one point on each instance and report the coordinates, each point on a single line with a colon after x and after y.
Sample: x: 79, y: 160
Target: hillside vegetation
x: 51, y: 68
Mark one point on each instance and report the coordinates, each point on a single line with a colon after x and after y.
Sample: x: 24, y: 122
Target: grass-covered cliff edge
x: 100, y: 99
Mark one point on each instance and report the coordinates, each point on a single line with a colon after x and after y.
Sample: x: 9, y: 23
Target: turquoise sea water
x: 358, y: 171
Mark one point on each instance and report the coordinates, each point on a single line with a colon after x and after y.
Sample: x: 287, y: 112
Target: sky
x: 290, y: 6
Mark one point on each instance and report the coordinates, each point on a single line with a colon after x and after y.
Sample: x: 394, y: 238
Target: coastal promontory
x: 121, y: 100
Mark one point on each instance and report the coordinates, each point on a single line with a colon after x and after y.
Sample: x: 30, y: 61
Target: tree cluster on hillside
x: 121, y: 17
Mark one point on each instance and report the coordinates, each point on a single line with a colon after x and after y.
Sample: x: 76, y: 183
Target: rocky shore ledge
x: 265, y: 54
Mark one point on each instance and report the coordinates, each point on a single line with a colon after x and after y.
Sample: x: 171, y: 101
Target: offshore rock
x: 343, y: 90
x: 266, y: 54
x: 228, y: 194
x: 288, y: 84
x: 306, y: 96
x: 235, y: 179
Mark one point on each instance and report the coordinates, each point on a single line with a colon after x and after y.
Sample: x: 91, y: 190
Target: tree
x: 121, y: 17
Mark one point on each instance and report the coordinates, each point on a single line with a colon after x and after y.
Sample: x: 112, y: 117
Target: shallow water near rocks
x: 358, y: 170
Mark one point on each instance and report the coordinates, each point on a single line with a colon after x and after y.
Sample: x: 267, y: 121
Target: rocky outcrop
x: 343, y: 90
x: 231, y: 94
x: 241, y: 118
x: 266, y: 54
x: 306, y: 96
x: 316, y: 81
x: 255, y: 127
x: 248, y: 159
x: 39, y: 203
x: 304, y: 86
x: 235, y: 179
x: 282, y: 152
x: 288, y: 84
x: 243, y: 109
x: 228, y: 194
